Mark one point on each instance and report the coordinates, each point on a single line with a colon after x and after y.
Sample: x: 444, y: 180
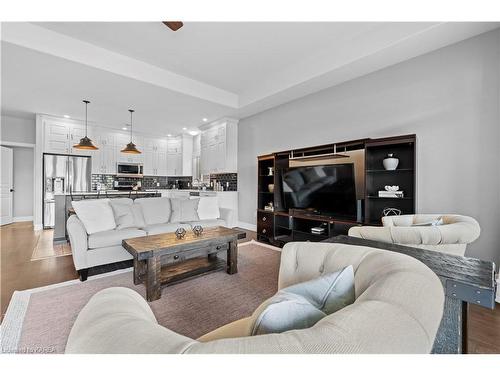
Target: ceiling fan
x: 173, y: 25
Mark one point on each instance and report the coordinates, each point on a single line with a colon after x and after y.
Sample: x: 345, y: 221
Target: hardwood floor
x: 19, y: 272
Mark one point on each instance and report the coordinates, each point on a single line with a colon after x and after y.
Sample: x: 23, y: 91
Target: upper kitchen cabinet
x: 155, y: 156
x: 121, y: 140
x: 56, y: 137
x: 174, y: 156
x: 60, y: 136
x: 155, y: 144
x: 218, y: 147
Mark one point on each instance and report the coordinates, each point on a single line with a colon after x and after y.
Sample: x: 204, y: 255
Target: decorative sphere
x: 198, y: 230
x: 180, y: 233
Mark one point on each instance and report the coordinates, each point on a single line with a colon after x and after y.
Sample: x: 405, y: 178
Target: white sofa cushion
x: 208, y: 223
x: 302, y: 305
x: 165, y: 228
x: 113, y: 237
x: 184, y: 210
x: 208, y: 208
x: 95, y: 214
x: 136, y: 210
x: 155, y: 210
x: 122, y: 209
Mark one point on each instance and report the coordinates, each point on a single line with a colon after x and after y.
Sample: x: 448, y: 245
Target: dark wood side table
x: 465, y: 281
x: 164, y: 259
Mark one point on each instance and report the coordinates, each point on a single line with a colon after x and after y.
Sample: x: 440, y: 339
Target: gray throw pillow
x: 302, y: 305
x: 184, y: 210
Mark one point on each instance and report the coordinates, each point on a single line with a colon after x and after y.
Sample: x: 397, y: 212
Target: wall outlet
x: 157, y: 184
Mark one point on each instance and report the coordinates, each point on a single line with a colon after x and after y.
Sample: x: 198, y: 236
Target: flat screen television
x: 324, y: 189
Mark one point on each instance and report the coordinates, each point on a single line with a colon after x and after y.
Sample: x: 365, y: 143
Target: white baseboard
x: 247, y: 226
x: 22, y: 218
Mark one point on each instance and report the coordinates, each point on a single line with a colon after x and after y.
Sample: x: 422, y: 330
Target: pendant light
x: 130, y: 148
x: 85, y: 143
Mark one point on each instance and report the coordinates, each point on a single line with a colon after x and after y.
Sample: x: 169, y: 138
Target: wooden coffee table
x: 164, y: 259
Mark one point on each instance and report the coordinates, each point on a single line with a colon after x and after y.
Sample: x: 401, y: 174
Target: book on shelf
x: 318, y: 230
x: 390, y: 194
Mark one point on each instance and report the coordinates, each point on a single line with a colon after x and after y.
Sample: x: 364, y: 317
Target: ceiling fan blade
x: 173, y: 25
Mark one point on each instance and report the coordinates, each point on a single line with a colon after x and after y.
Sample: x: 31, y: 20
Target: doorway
x: 6, y: 186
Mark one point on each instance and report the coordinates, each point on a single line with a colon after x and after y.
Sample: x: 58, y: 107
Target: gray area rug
x: 39, y: 320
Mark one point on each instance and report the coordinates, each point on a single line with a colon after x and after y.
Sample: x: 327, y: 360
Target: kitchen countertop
x: 147, y: 191
x: 193, y: 190
x: 109, y: 192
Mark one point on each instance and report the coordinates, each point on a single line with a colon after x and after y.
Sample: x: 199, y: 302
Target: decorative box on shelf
x: 390, y: 194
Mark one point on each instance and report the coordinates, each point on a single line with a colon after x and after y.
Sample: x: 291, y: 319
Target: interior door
x: 6, y: 186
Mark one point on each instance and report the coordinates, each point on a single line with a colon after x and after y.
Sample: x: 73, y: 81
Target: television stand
x: 304, y: 225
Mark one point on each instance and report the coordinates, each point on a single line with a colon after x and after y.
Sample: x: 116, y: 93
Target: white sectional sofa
x: 397, y: 309
x: 97, y: 230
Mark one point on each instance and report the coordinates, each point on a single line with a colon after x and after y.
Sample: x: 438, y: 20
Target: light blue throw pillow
x: 302, y: 305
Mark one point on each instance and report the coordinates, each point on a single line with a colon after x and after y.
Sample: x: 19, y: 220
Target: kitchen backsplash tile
x: 167, y: 182
x: 224, y: 178
x: 150, y: 182
x: 106, y: 181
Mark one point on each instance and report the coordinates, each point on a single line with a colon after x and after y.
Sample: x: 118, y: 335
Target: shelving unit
x: 281, y: 226
x: 376, y: 177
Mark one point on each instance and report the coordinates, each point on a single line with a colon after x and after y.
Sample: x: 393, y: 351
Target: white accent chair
x: 398, y: 309
x: 451, y: 237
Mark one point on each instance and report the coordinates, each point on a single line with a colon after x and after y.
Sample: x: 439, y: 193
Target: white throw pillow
x: 155, y: 210
x: 208, y: 208
x: 95, y: 214
x: 184, y: 210
x: 122, y: 208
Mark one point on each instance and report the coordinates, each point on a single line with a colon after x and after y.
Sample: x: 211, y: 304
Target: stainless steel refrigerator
x: 63, y: 174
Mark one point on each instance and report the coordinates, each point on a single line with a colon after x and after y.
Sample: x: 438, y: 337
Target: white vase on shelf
x: 390, y: 162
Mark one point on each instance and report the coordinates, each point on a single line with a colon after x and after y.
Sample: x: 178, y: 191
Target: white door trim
x: 17, y: 144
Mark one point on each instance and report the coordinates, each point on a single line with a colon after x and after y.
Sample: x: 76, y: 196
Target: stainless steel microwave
x: 129, y: 170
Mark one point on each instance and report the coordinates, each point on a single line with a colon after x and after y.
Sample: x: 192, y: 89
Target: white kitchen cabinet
x: 174, y: 157
x: 174, y: 164
x: 155, y: 156
x: 218, y: 147
x: 160, y: 156
x: 155, y: 144
x: 105, y: 160
x: 61, y: 136
x: 149, y: 168
x: 56, y: 137
x: 161, y: 163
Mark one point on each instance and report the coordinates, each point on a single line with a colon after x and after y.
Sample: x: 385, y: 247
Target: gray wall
x: 18, y: 129
x: 449, y: 98
x: 21, y: 130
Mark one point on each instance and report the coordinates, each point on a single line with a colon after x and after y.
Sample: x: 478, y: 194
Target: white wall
x: 449, y: 98
x: 21, y: 130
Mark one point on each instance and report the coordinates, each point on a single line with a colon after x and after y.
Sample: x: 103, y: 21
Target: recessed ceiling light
x: 193, y: 132
x: 66, y: 116
x: 169, y: 135
x: 205, y: 119
x: 124, y: 128
x: 184, y: 128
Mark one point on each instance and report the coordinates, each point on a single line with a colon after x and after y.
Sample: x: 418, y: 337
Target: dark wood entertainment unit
x: 279, y: 226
